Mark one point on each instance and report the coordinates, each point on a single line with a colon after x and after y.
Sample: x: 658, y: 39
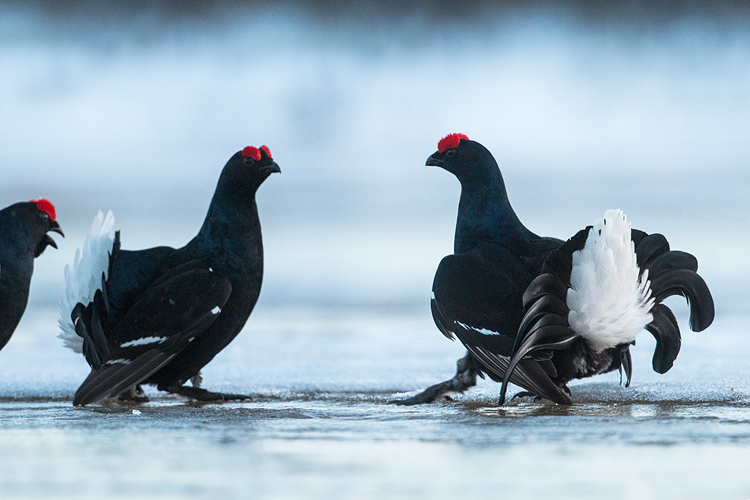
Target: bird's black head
x: 249, y: 168
x: 29, y: 222
x: 464, y: 158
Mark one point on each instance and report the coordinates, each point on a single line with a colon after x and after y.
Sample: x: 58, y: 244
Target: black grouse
x: 23, y: 237
x: 540, y: 312
x: 158, y: 316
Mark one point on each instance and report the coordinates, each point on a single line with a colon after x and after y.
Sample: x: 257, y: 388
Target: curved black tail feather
x: 673, y: 272
x: 691, y: 286
x: 667, y: 334
x: 671, y: 260
x: 648, y: 246
x: 544, y: 327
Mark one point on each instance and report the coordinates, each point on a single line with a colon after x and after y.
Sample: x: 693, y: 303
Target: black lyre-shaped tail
x: 90, y: 322
x: 545, y: 326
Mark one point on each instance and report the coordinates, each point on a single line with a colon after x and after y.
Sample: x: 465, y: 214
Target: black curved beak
x: 54, y: 228
x: 435, y: 160
x: 49, y: 241
x: 273, y: 168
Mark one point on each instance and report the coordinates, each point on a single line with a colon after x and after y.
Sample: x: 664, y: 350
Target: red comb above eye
x: 252, y: 152
x: 46, y: 206
x: 450, y: 141
x: 265, y: 149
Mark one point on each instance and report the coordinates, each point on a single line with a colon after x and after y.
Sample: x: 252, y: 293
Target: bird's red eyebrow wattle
x: 46, y: 206
x: 265, y: 149
x: 252, y: 152
x: 450, y: 141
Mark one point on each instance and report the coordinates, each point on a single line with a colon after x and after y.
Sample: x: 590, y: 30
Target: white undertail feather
x: 85, y: 277
x: 609, y: 302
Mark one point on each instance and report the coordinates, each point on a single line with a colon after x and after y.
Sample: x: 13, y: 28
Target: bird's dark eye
x: 450, y: 152
x: 248, y: 160
x: 44, y: 216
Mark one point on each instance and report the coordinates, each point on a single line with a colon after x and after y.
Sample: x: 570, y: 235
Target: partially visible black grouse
x: 23, y: 237
x: 157, y: 316
x: 553, y: 311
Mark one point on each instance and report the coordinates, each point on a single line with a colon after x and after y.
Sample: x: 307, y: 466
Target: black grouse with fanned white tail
x: 23, y: 237
x: 539, y: 312
x: 597, y: 291
x: 158, y: 316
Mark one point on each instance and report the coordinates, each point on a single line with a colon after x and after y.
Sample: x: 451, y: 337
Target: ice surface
x: 321, y: 423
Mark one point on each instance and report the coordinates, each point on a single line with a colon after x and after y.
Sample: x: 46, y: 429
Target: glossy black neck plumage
x: 232, y: 226
x: 484, y: 211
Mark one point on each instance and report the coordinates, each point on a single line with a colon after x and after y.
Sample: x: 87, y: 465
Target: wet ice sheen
x: 320, y: 423
x: 340, y: 446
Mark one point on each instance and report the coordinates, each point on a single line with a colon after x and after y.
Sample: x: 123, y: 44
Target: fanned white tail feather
x: 85, y: 277
x: 609, y: 301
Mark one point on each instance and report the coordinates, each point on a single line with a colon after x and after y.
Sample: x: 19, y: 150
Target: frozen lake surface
x: 321, y: 425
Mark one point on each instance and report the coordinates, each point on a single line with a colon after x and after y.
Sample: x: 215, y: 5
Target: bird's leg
x: 201, y: 394
x: 465, y: 378
x: 135, y: 394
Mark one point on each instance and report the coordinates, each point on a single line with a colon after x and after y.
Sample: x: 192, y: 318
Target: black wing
x: 477, y: 299
x: 166, y: 317
x: 131, y: 272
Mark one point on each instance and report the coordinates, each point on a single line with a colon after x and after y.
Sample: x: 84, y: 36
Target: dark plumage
x: 23, y: 237
x: 162, y: 314
x: 503, y: 292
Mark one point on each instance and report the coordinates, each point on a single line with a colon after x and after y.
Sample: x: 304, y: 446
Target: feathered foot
x: 465, y: 378
x: 202, y: 394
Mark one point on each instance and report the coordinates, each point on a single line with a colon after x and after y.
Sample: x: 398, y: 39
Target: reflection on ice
x: 320, y: 422
x: 347, y: 356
